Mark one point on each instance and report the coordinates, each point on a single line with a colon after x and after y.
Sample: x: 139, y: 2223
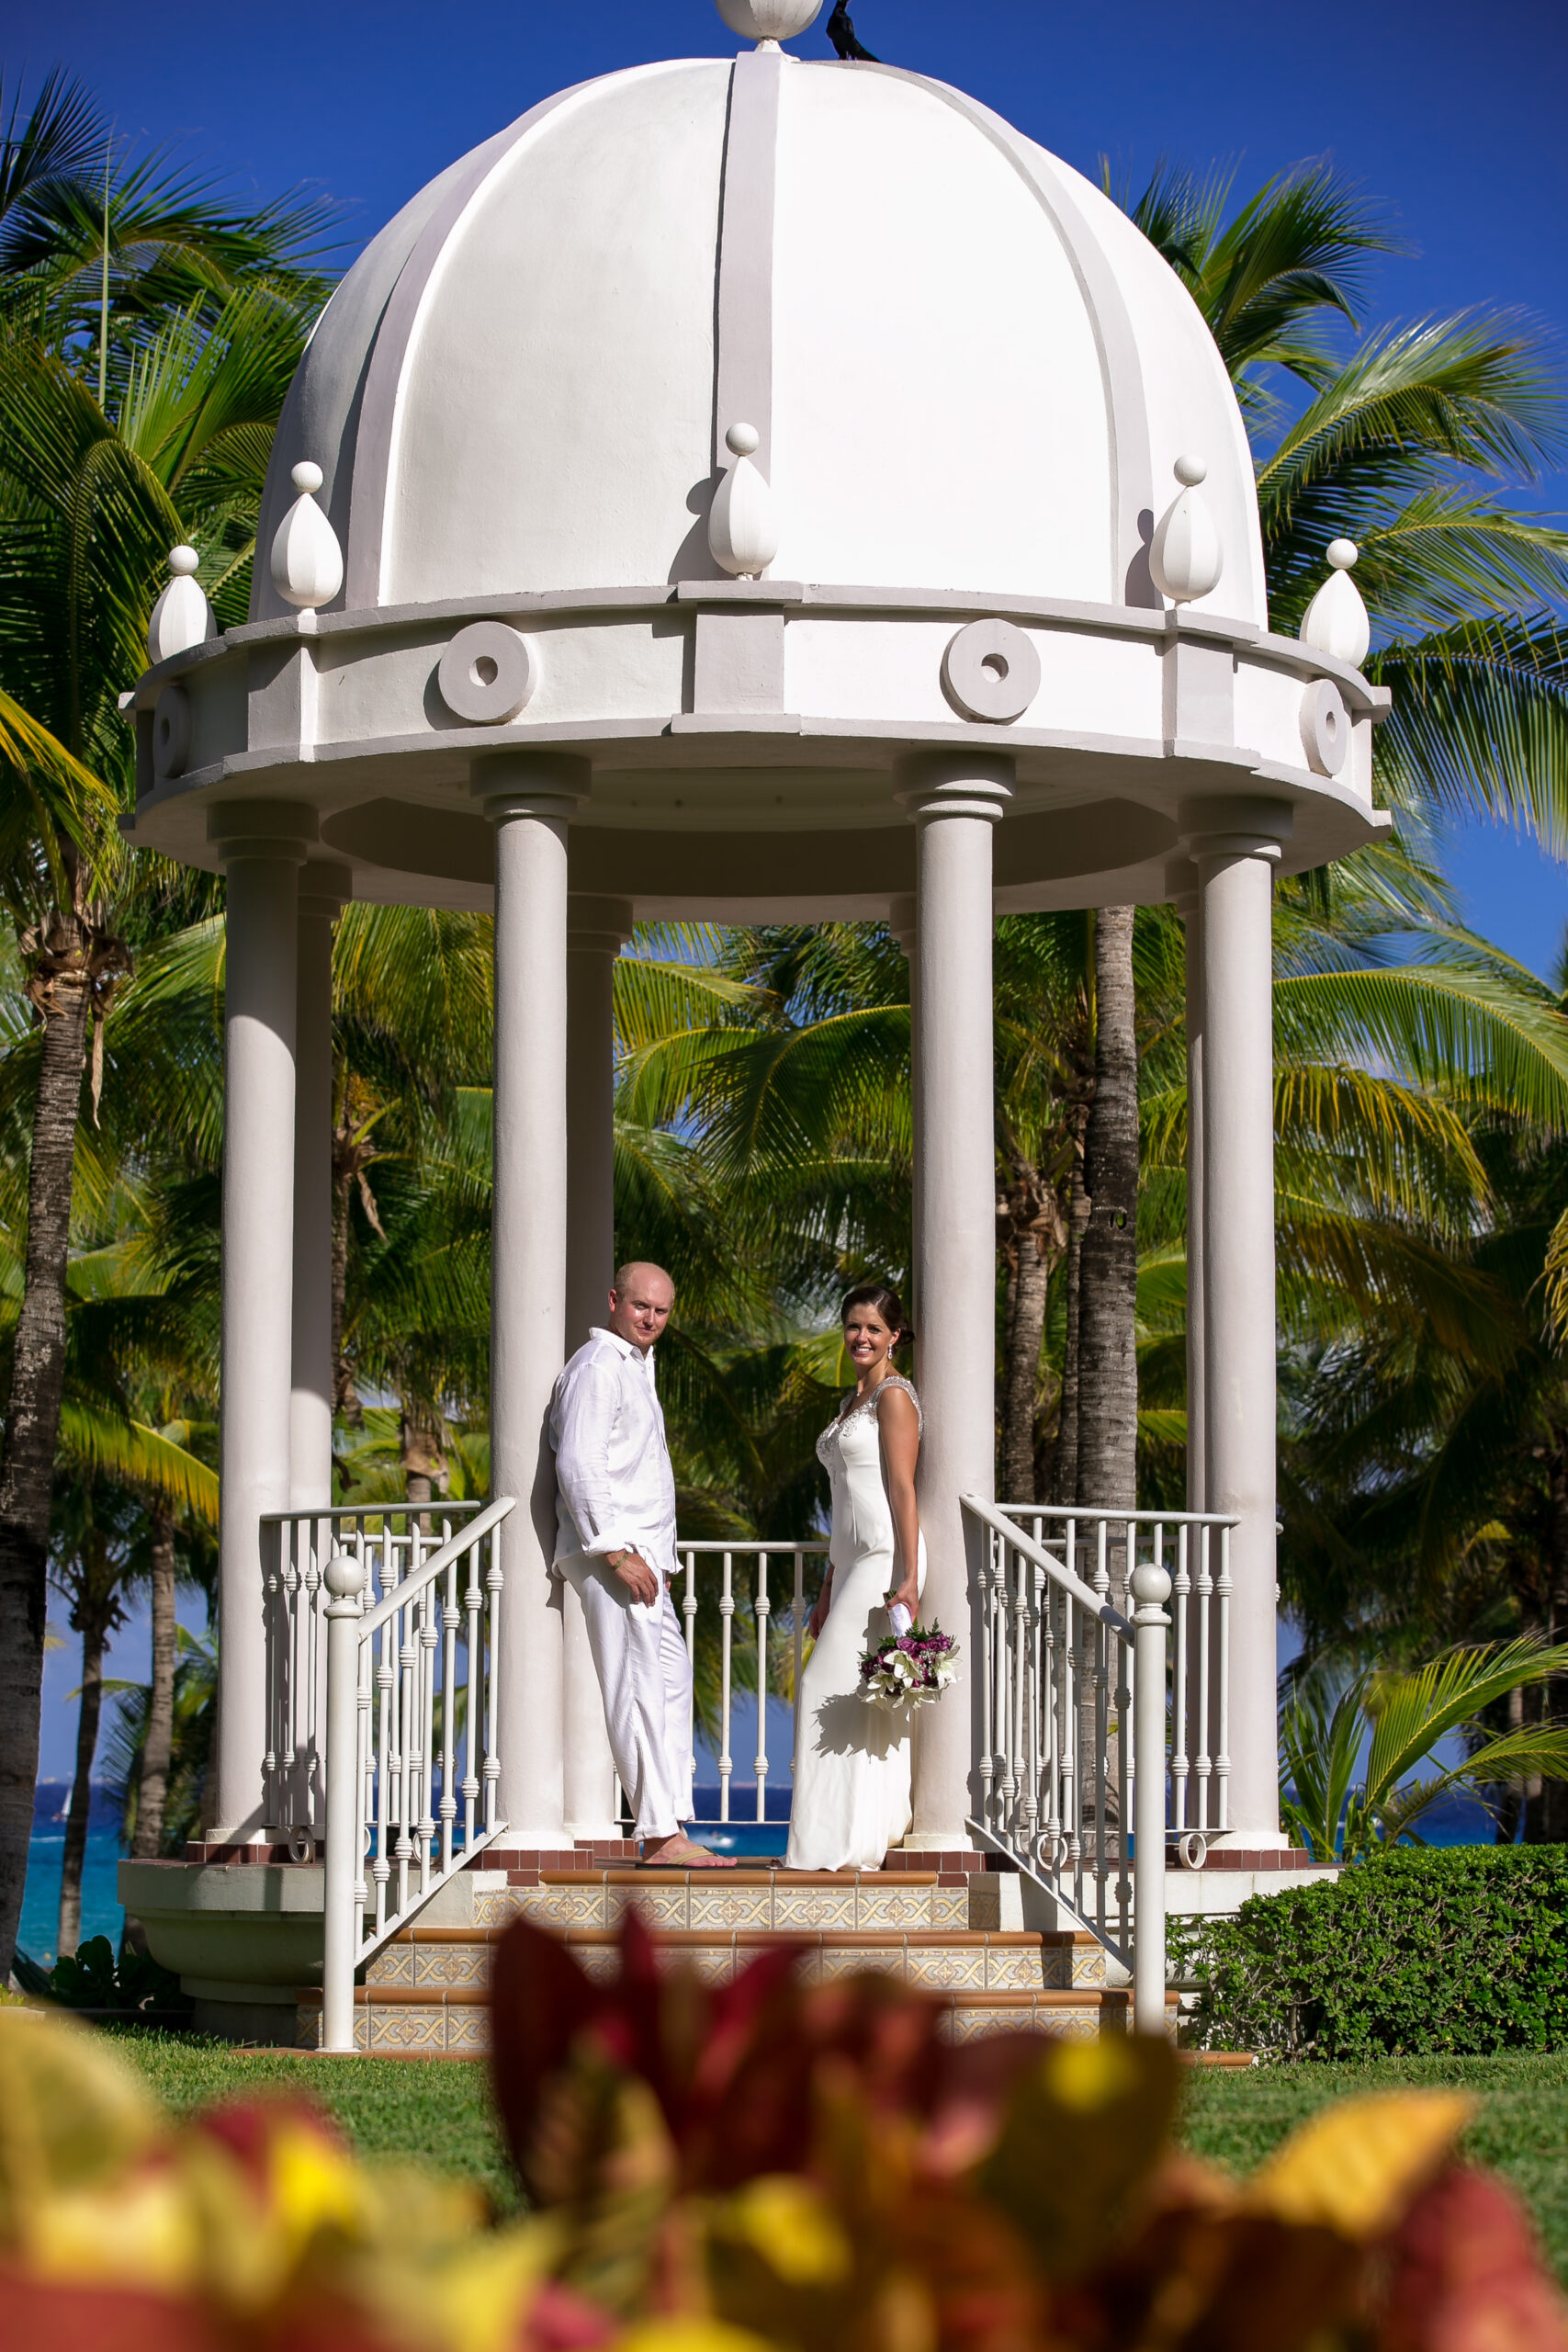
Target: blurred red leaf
x: 1466, y: 2275
x: 734, y: 2068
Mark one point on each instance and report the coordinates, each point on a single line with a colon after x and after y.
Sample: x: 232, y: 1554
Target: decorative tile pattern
x: 393, y: 1964
x: 496, y: 1910
x: 729, y: 1906
x: 985, y: 1899
x: 949, y: 1907
x: 454, y: 1965
x: 884, y: 1906
x: 957, y: 1969
x: 1012, y: 1968
x: 308, y: 2026
x: 1088, y: 1964
x: 408, y: 2027
x: 468, y: 2029
x: 812, y: 1907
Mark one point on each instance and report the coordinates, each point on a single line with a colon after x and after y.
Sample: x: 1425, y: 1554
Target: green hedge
x: 1458, y: 1951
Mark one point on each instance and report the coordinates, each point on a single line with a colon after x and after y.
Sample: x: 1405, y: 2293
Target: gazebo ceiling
x: 743, y: 429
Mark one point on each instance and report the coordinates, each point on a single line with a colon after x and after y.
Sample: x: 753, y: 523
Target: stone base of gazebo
x: 242, y: 1928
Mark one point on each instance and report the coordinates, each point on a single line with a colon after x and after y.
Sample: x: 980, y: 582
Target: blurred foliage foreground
x: 731, y: 2168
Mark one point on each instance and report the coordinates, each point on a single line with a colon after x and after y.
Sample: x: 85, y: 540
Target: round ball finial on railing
x: 1191, y: 472
x: 344, y: 1578
x: 1342, y: 553
x: 306, y: 479
x: 743, y: 440
x: 767, y: 22
x: 184, y: 564
x: 1151, y: 1585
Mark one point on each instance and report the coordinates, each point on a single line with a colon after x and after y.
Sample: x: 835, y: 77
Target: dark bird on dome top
x: 842, y: 33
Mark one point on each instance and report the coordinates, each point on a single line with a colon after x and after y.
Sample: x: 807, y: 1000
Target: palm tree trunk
x: 1108, y: 1276
x: 1034, y: 1252
x: 33, y: 1425
x: 94, y: 1629
x: 157, y: 1746
x: 1065, y: 1458
x: 1552, y: 1804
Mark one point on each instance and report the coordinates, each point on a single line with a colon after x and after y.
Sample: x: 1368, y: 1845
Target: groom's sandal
x: 680, y: 1853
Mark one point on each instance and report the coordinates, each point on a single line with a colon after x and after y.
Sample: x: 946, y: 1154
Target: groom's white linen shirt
x: 614, y: 1487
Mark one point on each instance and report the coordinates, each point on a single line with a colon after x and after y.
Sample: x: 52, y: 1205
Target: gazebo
x: 745, y: 490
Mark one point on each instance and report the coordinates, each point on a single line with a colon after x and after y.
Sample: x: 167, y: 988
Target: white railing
x: 390, y: 1541
x: 722, y: 1564
x: 410, y: 1746
x: 1075, y: 1688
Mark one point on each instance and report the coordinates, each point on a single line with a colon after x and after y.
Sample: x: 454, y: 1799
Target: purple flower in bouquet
x: 908, y: 1669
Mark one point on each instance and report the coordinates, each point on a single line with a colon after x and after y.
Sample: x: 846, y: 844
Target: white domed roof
x: 967, y: 369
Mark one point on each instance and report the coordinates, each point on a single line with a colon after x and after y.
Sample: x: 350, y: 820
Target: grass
x: 441, y: 2111
x: 438, y: 2111
x: 1520, y: 2130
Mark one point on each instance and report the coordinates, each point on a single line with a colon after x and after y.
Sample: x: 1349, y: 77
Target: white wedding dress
x: 852, y: 1798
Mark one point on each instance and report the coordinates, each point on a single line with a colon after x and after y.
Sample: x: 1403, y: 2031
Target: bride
x: 851, y: 1795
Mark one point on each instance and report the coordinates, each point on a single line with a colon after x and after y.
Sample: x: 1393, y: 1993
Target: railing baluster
x: 1222, y: 1759
x: 726, y: 1614
x: 763, y: 1609
x: 798, y: 1612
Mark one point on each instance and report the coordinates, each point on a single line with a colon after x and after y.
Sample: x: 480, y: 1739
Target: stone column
x: 530, y: 799
x: 903, y: 923
x: 1183, y: 879
x: 323, y: 890
x: 1236, y: 881
x: 954, y: 802
x: 262, y: 845
x: 597, y: 929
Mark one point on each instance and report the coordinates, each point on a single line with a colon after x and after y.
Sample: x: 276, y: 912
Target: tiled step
x: 455, y: 2021
x: 954, y: 1959
x: 860, y: 1901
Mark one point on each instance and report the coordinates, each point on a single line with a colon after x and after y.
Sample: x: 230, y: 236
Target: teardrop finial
x: 767, y: 22
x: 307, y: 562
x: 182, y: 617
x: 1337, y: 621
x: 1186, y: 554
x: 743, y: 531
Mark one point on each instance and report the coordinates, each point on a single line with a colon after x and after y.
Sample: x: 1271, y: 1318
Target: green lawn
x: 440, y: 2110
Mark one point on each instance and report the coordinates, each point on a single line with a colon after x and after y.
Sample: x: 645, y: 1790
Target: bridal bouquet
x: 910, y: 1669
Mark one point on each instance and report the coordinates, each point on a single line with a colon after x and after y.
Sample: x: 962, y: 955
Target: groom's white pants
x: 639, y: 1654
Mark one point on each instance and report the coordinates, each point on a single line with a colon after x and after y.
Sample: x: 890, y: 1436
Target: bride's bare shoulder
x: 898, y: 1406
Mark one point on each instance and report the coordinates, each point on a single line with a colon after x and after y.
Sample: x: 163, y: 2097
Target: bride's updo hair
x: 888, y: 1305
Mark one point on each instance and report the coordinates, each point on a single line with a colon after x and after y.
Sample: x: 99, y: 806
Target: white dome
x: 968, y: 370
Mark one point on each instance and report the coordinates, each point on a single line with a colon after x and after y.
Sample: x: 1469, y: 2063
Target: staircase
x: 427, y: 1989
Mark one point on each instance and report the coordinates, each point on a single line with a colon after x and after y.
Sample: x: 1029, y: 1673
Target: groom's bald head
x: 640, y: 1303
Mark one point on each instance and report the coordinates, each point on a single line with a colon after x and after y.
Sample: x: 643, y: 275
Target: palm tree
x: 92, y: 496
x: 1397, y: 1721
x: 1386, y: 449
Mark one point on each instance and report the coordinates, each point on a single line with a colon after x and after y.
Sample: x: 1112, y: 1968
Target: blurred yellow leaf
x: 1083, y: 2129
x: 71, y: 2114
x: 141, y: 2231
x: 689, y: 2336
x: 787, y: 2221
x: 1355, y: 2168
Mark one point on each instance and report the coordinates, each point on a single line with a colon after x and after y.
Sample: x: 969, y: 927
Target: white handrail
x: 391, y: 1539
x: 1074, y: 1715
x: 1058, y: 1570
x: 727, y: 1553
x: 388, y: 1847
x: 428, y: 1570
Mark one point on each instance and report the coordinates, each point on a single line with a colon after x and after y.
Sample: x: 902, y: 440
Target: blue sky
x: 1451, y: 116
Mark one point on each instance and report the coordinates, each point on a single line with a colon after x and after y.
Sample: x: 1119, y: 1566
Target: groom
x: 615, y: 1543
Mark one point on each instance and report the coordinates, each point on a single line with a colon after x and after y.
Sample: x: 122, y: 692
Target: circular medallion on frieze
x: 487, y: 673
x: 991, y: 671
